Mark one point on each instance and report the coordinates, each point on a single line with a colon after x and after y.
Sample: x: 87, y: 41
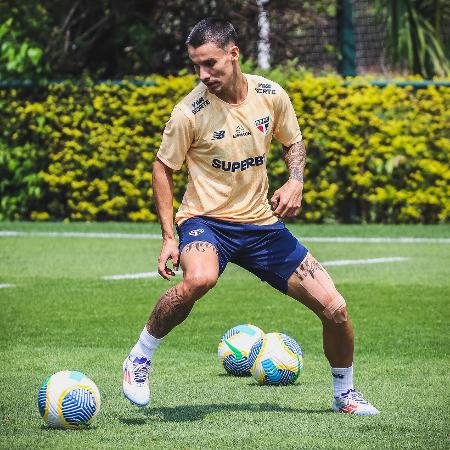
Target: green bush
x: 85, y: 152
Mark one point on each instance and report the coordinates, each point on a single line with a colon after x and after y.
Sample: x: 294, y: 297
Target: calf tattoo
x: 170, y: 311
x: 200, y: 246
x: 295, y: 159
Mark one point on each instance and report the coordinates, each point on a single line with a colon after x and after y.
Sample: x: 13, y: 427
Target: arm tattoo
x: 307, y: 268
x: 170, y: 311
x: 200, y: 246
x: 295, y: 159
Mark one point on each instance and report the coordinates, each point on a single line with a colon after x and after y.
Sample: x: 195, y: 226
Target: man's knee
x: 196, y: 285
x: 335, y: 312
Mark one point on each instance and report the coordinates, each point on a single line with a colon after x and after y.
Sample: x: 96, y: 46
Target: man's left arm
x: 286, y: 201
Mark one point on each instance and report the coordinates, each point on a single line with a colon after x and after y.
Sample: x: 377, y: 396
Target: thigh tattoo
x: 319, y: 285
x: 200, y: 246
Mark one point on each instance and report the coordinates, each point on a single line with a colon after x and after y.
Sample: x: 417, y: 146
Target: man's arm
x: 163, y: 193
x: 286, y: 201
x: 295, y: 159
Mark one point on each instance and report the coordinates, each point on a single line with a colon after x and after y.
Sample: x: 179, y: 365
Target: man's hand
x: 169, y: 250
x: 287, y: 200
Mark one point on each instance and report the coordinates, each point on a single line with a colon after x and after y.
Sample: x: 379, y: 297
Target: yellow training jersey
x: 225, y: 147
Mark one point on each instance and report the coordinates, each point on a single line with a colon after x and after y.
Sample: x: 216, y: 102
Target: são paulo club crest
x: 196, y: 232
x: 263, y: 124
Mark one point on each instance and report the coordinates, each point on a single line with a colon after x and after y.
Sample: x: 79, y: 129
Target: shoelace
x: 140, y: 372
x: 355, y: 396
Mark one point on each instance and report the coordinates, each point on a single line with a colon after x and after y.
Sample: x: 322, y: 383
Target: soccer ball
x: 276, y: 359
x: 68, y: 399
x: 234, y: 348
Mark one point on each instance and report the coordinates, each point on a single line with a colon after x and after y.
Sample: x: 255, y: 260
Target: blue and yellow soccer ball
x: 276, y: 359
x: 68, y: 399
x: 234, y: 348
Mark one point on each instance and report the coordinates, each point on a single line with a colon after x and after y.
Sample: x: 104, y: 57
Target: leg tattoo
x: 308, y: 267
x: 200, y: 246
x: 314, y: 279
x: 169, y: 312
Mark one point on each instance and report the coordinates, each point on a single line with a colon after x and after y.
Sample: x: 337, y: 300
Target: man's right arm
x: 177, y: 139
x: 163, y: 194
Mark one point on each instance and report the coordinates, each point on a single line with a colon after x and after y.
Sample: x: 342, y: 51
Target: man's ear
x: 234, y: 53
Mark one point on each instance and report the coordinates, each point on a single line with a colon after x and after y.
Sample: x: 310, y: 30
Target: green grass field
x: 62, y: 315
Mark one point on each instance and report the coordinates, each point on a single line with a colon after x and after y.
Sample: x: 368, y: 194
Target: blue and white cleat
x: 135, y: 379
x: 352, y: 402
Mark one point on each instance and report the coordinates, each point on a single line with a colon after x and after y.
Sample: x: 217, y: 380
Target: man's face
x: 214, y: 65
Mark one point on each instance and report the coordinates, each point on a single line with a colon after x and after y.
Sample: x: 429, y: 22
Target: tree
x: 414, y: 39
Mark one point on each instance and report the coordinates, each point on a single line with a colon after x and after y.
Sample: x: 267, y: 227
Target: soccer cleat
x: 352, y: 402
x: 135, y: 379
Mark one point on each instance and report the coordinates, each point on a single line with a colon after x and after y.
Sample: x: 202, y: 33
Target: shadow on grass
x: 64, y: 430
x: 191, y: 413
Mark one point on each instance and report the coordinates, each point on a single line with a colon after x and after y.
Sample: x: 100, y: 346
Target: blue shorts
x: 271, y: 252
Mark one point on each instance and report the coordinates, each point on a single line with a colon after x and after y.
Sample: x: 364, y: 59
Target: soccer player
x: 223, y: 129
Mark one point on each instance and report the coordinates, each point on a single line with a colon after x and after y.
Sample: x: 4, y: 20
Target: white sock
x: 146, y: 345
x: 342, y: 379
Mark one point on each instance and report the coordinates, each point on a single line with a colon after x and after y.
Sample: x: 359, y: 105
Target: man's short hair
x: 212, y: 29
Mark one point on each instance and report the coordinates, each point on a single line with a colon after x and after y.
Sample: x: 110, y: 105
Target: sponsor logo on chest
x: 265, y: 88
x: 199, y: 104
x: 218, y: 135
x: 241, y: 132
x: 233, y: 166
x: 263, y: 124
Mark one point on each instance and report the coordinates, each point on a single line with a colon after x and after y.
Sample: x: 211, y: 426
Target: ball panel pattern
x: 238, y: 367
x: 68, y: 400
x: 234, y: 348
x: 276, y: 359
x: 275, y: 375
x: 292, y: 344
x: 254, y: 352
x: 42, y: 397
x: 79, y: 406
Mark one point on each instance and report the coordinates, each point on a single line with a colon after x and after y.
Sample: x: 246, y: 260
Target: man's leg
x: 312, y: 286
x: 200, y: 265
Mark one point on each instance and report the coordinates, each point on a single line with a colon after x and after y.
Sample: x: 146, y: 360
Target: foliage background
x: 114, y: 39
x: 84, y: 151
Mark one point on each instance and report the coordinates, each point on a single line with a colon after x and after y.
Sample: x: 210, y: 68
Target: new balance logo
x: 241, y: 132
x: 218, y: 135
x: 263, y: 124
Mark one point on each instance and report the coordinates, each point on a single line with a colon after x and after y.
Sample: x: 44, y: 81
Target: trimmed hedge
x: 84, y: 152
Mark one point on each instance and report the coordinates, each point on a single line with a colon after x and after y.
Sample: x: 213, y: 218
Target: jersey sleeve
x: 177, y: 139
x: 286, y: 130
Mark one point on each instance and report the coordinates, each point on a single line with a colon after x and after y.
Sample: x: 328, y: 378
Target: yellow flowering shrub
x: 85, y: 152
x: 375, y: 154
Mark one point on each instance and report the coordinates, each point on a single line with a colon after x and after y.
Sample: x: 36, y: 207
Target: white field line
x: 365, y: 240
x: 131, y: 276
x: 339, y: 262
x: 377, y: 240
x: 349, y: 262
x: 77, y: 234
x: 4, y: 286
